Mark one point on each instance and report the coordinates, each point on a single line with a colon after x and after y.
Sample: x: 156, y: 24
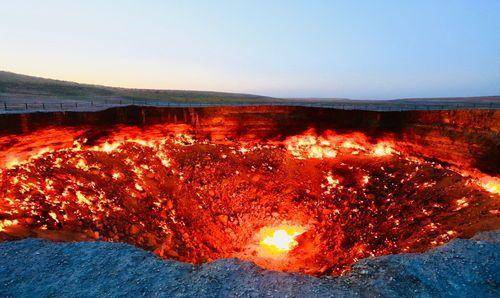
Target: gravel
x: 33, y: 267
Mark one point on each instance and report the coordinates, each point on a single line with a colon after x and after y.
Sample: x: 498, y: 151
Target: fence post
x: 26, y: 105
x: 43, y: 105
x: 61, y: 105
x: 5, y: 105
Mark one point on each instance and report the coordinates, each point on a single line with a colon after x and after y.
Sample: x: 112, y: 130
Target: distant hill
x: 447, y: 100
x: 413, y: 101
x: 20, y: 86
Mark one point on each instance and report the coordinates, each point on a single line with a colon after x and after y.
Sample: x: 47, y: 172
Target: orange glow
x: 324, y: 200
x: 7, y: 223
x: 383, y: 149
x: 310, y: 146
x: 491, y: 184
x: 280, y: 240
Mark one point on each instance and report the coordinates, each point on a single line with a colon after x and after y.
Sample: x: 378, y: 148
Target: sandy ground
x: 31, y: 267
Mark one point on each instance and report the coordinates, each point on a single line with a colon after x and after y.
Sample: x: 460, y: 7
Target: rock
x: 32, y: 267
x: 223, y: 218
x: 134, y: 229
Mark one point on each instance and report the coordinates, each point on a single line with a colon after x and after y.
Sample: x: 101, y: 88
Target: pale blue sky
x: 353, y: 49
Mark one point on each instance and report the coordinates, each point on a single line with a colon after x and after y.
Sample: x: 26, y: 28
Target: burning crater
x: 291, y: 189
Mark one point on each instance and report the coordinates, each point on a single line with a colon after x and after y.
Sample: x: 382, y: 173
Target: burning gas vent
x: 308, y: 202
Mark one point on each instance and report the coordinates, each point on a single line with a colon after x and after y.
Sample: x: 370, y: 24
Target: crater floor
x: 310, y: 203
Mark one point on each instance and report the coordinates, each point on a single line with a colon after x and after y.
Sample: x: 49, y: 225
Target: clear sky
x: 353, y: 49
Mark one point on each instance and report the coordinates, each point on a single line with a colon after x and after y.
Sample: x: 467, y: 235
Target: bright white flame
x: 491, y: 184
x: 382, y: 149
x: 280, y: 240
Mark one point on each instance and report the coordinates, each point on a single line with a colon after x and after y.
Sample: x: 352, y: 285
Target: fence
x: 94, y: 105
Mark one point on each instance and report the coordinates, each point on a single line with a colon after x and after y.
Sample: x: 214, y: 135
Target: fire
x: 383, y: 149
x: 491, y: 184
x: 7, y: 223
x: 278, y: 241
x: 310, y: 146
x: 324, y: 200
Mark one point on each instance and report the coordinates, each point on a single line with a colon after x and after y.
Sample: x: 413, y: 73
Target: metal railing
x: 93, y: 105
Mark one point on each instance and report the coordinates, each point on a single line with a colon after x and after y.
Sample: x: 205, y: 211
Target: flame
x: 280, y: 240
x: 198, y: 199
x: 7, y: 223
x: 383, y: 149
x: 310, y: 145
x: 351, y: 144
x: 491, y: 184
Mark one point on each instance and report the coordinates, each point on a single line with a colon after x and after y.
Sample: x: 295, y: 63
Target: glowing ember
x: 491, y: 184
x: 277, y: 241
x: 198, y: 199
x: 382, y: 149
x: 7, y: 223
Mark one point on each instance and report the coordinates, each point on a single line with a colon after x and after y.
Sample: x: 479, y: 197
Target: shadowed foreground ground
x: 40, y: 268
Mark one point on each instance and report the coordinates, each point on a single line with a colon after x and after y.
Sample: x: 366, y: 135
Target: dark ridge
x: 14, y: 85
